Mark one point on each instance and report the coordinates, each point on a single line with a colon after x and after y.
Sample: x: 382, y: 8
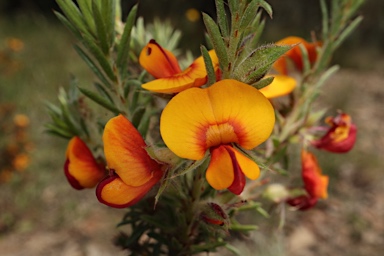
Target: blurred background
x: 41, y: 215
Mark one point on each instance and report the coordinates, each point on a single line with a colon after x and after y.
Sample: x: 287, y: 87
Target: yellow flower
x: 163, y: 66
x: 226, y: 113
x: 282, y: 83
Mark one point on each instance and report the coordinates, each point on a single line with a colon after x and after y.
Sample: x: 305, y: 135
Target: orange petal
x: 81, y: 168
x: 295, y: 54
x: 157, y: 61
x: 194, y: 76
x: 226, y: 112
x: 228, y: 167
x: 314, y: 182
x: 125, y: 152
x: 281, y: 85
x: 113, y: 192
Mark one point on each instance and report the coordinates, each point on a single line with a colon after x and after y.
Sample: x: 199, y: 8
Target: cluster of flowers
x: 15, y: 145
x: 225, y: 119
x: 9, y: 64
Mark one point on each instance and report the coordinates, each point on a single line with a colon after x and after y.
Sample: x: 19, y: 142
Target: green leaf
x: 191, y: 167
x: 68, y: 24
x: 108, y: 12
x: 92, y: 65
x: 267, y: 7
x: 101, y: 29
x: 325, y: 18
x: 124, y: 45
x: 217, y: 41
x: 263, y: 82
x: 137, y: 116
x: 100, y: 100
x: 86, y: 10
x: 254, y: 66
x: 58, y: 132
x: 99, y: 56
x: 249, y: 14
x: 239, y: 227
x: 208, y: 65
x: 347, y: 31
x: 102, y: 91
x: 222, y: 18
x: 73, y: 14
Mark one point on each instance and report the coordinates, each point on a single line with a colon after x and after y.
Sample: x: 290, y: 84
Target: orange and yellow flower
x: 341, y: 135
x: 164, y: 67
x: 315, y: 183
x: 132, y: 171
x: 81, y: 168
x: 283, y: 84
x: 294, y: 54
x: 215, y: 118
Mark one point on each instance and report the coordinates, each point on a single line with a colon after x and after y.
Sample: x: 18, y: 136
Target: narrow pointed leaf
x: 258, y: 62
x: 86, y: 10
x: 249, y: 14
x: 263, y: 83
x: 267, y: 7
x: 68, y: 24
x: 222, y: 18
x: 99, y: 100
x: 73, y: 15
x: 92, y: 65
x: 108, y: 12
x: 208, y: 65
x: 101, y: 29
x: 217, y: 41
x: 102, y: 91
x: 100, y: 57
x: 123, y: 47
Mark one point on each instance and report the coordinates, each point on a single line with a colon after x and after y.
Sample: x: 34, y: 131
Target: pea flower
x: 315, y: 184
x: 132, y: 171
x: 81, y: 168
x: 215, y: 118
x: 164, y: 67
x: 341, y: 135
x: 294, y: 54
x: 282, y: 83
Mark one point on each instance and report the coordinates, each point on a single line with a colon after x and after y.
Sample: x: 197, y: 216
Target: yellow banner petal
x: 227, y: 112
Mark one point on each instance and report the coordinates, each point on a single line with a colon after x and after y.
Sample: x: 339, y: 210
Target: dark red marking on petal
x: 72, y: 180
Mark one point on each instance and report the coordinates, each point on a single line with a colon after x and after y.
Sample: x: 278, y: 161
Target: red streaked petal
x: 125, y: 152
x: 112, y: 191
x: 341, y: 136
x: 81, y: 168
x: 158, y: 61
x: 314, y: 182
x: 194, y: 76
